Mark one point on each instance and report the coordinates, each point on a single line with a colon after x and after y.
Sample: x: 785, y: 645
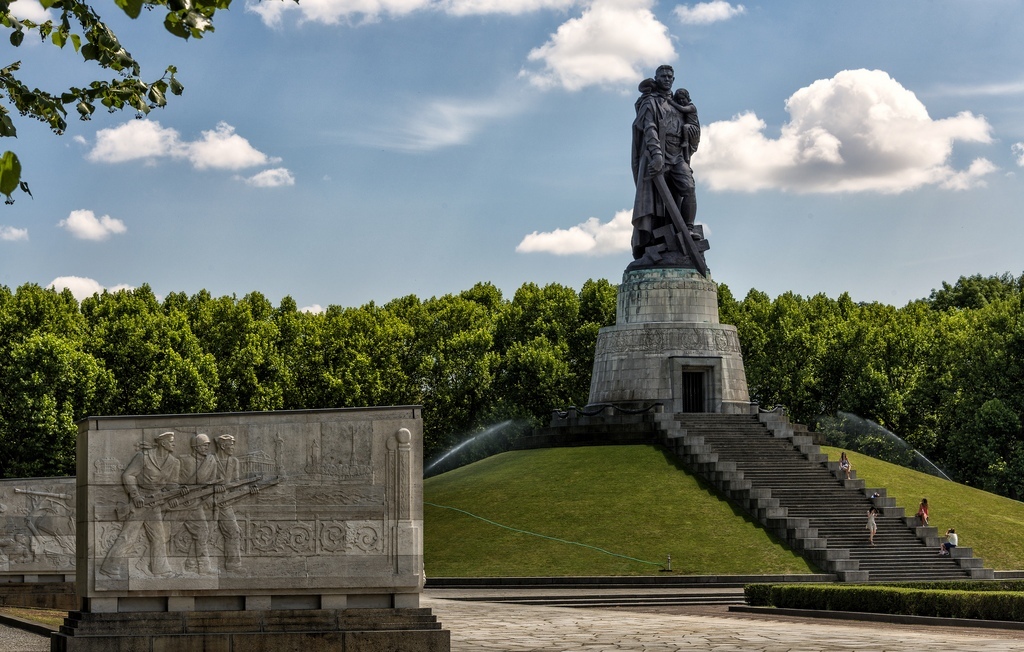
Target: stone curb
x: 899, y: 619
x: 622, y: 581
x: 27, y: 625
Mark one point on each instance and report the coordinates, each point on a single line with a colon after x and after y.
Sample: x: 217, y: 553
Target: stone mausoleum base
x: 668, y: 347
x: 340, y: 630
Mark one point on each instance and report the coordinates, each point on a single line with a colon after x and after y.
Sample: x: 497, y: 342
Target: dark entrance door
x: 693, y: 391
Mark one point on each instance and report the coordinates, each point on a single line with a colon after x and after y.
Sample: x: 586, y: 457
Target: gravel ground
x: 18, y: 640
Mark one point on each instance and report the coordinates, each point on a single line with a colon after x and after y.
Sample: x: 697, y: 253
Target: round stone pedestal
x: 667, y: 347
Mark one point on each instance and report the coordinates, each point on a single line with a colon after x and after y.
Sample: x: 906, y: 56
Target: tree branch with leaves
x: 78, y: 24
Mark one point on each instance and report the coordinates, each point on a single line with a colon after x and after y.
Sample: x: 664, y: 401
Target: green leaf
x: 156, y: 96
x: 175, y: 27
x: 10, y: 173
x: 7, y: 127
x: 59, y: 39
x: 76, y: 41
x: 131, y: 7
x: 17, y: 37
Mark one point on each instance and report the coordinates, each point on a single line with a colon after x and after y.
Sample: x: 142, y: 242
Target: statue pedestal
x: 667, y: 347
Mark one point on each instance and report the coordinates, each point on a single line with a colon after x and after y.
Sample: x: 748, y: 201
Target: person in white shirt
x: 951, y: 542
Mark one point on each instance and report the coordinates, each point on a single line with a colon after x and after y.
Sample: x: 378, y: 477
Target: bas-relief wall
x: 37, y: 526
x: 323, y: 501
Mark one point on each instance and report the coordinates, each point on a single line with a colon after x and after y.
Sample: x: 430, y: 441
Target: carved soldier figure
x: 150, y: 480
x: 665, y: 134
x: 228, y: 470
x: 199, y: 469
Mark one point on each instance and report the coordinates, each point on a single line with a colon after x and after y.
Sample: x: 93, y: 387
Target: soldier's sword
x: 677, y: 220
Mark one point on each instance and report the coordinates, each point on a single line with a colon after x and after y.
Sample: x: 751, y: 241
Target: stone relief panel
x: 37, y: 525
x: 214, y: 503
x: 667, y: 340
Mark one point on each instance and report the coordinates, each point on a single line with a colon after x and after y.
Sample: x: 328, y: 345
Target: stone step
x: 774, y: 470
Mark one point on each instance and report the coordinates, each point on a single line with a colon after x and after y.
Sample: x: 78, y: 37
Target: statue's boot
x: 688, y: 209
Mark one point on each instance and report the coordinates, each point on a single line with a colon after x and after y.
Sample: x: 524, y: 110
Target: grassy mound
x: 632, y: 501
x: 991, y: 525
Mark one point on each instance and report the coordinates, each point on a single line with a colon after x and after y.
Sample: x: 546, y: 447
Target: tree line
x: 944, y: 373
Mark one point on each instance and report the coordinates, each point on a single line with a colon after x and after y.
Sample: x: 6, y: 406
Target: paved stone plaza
x: 494, y: 627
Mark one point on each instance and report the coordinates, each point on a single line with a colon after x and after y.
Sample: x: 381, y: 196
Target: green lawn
x: 991, y: 525
x: 629, y: 500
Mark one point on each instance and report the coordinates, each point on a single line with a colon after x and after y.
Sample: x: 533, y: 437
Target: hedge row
x: 986, y: 602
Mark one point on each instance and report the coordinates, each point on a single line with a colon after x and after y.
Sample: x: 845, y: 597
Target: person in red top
x: 922, y: 511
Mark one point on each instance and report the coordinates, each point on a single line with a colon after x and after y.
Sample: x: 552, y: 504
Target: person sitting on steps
x: 844, y: 464
x: 951, y: 542
x: 922, y: 511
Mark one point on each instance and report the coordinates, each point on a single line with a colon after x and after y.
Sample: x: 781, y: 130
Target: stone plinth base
x: 347, y: 630
x: 667, y: 347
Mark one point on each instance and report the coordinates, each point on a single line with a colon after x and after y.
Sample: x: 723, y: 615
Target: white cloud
x: 83, y: 288
x: 704, y: 13
x: 135, y: 140
x: 606, y: 45
x: 1018, y: 153
x: 84, y: 225
x: 147, y: 140
x: 274, y: 178
x: 12, y: 234
x: 314, y: 309
x: 331, y: 12
x: 859, y: 131
x: 223, y: 149
x: 30, y: 10
x: 591, y: 238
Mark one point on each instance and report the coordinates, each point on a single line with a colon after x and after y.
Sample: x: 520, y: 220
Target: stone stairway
x: 772, y: 469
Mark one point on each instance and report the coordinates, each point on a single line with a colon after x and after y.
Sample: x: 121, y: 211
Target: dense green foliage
x: 987, y: 603
x: 945, y: 374
x: 471, y: 359
x: 633, y: 501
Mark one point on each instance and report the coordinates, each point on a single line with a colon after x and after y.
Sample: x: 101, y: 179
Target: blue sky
x: 343, y: 151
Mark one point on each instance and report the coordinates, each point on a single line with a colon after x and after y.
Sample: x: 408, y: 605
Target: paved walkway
x: 491, y: 627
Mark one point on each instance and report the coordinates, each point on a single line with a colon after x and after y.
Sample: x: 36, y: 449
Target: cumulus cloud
x: 704, y: 13
x: 860, y: 131
x: 83, y: 288
x: 314, y: 309
x: 84, y: 225
x: 12, y: 234
x: 136, y: 140
x: 607, y: 45
x: 223, y: 149
x: 1018, y: 153
x: 30, y: 10
x: 274, y: 178
x: 592, y: 238
x: 146, y: 140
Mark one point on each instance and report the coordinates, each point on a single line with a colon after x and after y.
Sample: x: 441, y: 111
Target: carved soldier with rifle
x: 151, y: 480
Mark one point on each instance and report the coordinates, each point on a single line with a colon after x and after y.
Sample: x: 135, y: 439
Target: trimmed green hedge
x: 978, y: 600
